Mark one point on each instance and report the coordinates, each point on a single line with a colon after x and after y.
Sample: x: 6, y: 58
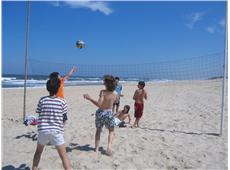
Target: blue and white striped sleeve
x: 39, y: 107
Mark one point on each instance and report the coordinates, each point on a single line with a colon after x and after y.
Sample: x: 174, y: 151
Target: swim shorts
x: 104, y: 117
x: 139, y: 107
x: 119, y: 123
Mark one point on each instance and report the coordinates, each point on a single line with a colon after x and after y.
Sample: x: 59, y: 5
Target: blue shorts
x: 104, y: 117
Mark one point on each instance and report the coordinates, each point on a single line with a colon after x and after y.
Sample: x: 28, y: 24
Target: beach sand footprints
x: 13, y: 120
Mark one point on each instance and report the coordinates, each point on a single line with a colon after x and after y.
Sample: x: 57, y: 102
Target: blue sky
x: 114, y: 32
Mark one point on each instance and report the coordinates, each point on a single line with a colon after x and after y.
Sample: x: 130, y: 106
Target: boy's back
x: 50, y: 124
x: 51, y: 110
x: 107, y: 98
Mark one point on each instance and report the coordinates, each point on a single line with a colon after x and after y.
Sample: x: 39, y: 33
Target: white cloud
x: 211, y: 29
x: 222, y: 22
x: 55, y: 3
x: 194, y: 18
x: 92, y: 5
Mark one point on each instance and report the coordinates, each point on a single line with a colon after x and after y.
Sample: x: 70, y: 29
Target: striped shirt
x: 51, y: 112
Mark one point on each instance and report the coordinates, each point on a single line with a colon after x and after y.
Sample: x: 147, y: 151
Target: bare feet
x: 109, y: 152
x: 96, y: 150
x: 134, y: 126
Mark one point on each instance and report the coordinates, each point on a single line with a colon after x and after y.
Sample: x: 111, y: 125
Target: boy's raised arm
x: 73, y: 70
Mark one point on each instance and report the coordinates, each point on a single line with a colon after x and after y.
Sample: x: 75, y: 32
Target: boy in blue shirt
x: 118, y: 90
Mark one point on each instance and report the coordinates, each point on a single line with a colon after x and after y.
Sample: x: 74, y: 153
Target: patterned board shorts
x: 104, y: 117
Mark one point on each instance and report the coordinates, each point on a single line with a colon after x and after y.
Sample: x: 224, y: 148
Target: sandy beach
x: 174, y: 133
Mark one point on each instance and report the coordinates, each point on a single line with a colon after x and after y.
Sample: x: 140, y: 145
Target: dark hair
x: 117, y: 78
x: 53, y: 85
x: 109, y: 82
x: 127, y: 107
x: 54, y: 75
x: 141, y: 83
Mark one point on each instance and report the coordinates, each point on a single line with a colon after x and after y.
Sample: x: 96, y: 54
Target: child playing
x: 104, y: 114
x: 139, y: 96
x: 121, y: 116
x: 62, y: 80
x: 118, y: 90
x: 61, y: 89
x: 50, y: 123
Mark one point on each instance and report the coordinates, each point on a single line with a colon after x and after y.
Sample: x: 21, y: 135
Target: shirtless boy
x: 104, y: 114
x: 139, y: 96
x: 121, y: 116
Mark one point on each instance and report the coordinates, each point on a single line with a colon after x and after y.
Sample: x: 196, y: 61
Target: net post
x: 26, y: 59
x: 224, y: 70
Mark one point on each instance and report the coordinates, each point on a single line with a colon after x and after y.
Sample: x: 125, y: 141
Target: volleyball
x: 80, y: 44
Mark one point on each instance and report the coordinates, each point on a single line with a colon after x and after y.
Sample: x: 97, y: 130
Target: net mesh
x: 188, y: 91
x: 202, y: 67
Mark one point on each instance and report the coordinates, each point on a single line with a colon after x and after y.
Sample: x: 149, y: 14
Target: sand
x: 174, y: 133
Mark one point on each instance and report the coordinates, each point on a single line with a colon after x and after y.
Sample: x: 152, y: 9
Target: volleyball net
x: 189, y: 90
x: 194, y: 68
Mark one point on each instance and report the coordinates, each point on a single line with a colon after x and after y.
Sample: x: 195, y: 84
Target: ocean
x: 36, y: 81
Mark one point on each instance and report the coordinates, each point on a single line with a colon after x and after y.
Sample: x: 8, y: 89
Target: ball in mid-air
x: 80, y: 44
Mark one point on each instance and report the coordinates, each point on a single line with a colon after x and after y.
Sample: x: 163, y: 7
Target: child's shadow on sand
x: 31, y: 135
x: 86, y: 147
x: 11, y: 167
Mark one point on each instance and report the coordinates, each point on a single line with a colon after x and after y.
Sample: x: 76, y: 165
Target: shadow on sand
x: 76, y: 146
x: 30, y: 135
x: 86, y: 148
x: 182, y: 132
x: 11, y: 167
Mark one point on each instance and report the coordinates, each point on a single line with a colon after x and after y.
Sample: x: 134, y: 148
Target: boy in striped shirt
x: 50, y: 123
x: 60, y: 92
